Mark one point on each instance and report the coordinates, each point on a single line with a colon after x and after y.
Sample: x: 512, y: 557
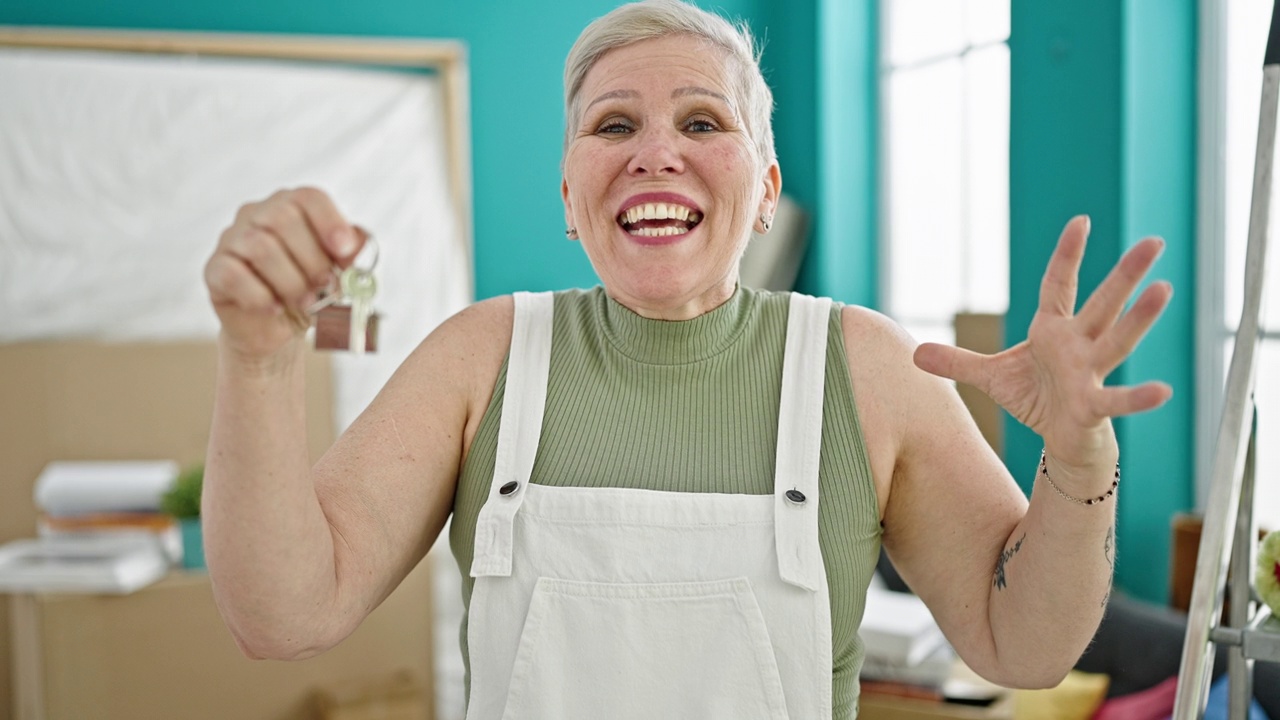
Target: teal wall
x: 1103, y: 123
x: 517, y: 51
x: 822, y: 62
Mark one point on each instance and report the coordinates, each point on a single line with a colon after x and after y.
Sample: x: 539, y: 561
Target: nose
x: 657, y: 153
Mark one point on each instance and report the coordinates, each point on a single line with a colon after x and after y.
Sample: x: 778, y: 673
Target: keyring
x: 332, y: 292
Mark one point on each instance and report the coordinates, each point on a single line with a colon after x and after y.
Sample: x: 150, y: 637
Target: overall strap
x: 800, y: 442
x: 524, y: 401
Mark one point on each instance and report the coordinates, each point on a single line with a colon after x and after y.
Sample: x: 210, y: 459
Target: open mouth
x: 659, y: 219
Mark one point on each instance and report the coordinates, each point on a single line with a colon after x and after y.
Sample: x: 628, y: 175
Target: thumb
x: 352, y: 242
x: 954, y: 363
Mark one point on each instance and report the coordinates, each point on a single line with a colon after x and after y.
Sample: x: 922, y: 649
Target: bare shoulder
x: 881, y: 371
x: 874, y: 337
x: 466, y: 352
x: 479, y: 330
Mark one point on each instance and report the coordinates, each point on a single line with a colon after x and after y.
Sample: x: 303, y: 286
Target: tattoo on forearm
x: 1109, y: 547
x: 1109, y: 552
x: 1001, y: 582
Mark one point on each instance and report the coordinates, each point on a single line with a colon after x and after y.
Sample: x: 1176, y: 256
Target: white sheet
x: 119, y: 171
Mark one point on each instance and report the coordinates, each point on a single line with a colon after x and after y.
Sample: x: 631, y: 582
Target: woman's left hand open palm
x: 1053, y: 381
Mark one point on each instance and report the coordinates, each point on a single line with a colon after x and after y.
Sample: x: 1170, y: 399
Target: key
x: 344, y: 316
x: 359, y: 286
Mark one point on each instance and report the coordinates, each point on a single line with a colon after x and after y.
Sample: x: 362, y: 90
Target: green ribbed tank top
x: 690, y: 406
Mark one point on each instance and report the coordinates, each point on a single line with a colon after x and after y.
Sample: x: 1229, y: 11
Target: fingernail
x: 344, y: 241
x: 308, y: 300
x: 1088, y: 223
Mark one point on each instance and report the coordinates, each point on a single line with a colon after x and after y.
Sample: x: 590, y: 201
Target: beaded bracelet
x: 1115, y: 483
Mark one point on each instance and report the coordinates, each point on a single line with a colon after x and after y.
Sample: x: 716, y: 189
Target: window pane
x: 924, y: 332
x: 924, y: 176
x: 1246, y: 23
x: 1267, y: 397
x: 987, y: 21
x: 922, y: 29
x: 987, y: 112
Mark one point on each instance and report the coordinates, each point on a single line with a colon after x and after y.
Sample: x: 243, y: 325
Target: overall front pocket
x: 696, y: 650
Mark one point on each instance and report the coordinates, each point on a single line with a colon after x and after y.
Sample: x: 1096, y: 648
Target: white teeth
x: 659, y: 231
x: 659, y: 211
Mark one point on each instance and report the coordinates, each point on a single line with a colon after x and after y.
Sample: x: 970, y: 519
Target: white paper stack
x: 100, y: 565
x: 931, y: 672
x: 898, y: 629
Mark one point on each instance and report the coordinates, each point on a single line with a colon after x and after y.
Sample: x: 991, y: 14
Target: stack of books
x: 100, y: 529
x: 907, y: 656
x: 906, y: 652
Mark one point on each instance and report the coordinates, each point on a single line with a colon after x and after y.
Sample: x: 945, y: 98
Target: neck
x: 678, y: 308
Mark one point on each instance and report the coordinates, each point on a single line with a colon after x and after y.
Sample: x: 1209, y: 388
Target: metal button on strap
x: 796, y: 497
x: 509, y: 488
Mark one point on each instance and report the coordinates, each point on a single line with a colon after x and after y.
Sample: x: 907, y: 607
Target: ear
x: 772, y: 182
x: 568, y: 204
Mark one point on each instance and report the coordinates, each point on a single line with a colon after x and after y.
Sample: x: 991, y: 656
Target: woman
x: 668, y: 493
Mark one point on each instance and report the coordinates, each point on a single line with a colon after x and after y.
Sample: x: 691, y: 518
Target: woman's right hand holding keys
x: 269, y: 265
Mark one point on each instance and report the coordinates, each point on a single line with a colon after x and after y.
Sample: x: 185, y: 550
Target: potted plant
x: 182, y: 501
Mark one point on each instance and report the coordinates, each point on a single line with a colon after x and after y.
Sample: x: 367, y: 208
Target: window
x: 1237, y: 35
x: 945, y: 80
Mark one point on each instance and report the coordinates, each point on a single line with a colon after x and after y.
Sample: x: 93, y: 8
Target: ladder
x: 1230, y: 532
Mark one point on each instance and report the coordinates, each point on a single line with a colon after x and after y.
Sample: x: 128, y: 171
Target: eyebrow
x: 678, y: 92
x: 614, y: 94
x: 695, y: 90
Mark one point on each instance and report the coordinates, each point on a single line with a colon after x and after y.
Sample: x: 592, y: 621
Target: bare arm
x: 1018, y: 588
x: 299, y: 556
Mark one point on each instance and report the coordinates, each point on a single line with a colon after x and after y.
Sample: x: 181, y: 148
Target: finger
x: 284, y: 218
x: 1118, y: 401
x: 265, y: 255
x: 1061, y: 276
x: 1119, y: 342
x: 232, y: 283
x: 954, y: 363
x: 1107, y: 302
x: 340, y: 238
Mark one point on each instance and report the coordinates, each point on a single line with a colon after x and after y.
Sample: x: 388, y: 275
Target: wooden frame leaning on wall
x: 447, y: 58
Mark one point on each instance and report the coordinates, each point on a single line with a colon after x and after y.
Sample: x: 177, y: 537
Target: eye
x: 614, y: 126
x: 700, y: 124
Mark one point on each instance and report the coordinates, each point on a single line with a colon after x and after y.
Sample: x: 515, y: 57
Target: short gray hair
x: 659, y: 18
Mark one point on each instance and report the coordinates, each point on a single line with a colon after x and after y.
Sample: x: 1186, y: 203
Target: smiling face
x: 662, y: 180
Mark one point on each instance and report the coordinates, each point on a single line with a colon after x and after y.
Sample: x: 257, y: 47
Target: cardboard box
x: 985, y: 334
x: 162, y: 652
x: 391, y: 697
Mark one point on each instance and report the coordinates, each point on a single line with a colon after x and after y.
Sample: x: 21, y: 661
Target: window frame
x: 885, y: 232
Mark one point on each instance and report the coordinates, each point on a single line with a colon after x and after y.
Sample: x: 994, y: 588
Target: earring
x: 571, y: 233
x: 766, y: 221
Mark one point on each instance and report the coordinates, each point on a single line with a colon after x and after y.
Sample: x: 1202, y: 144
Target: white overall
x: 594, y: 603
